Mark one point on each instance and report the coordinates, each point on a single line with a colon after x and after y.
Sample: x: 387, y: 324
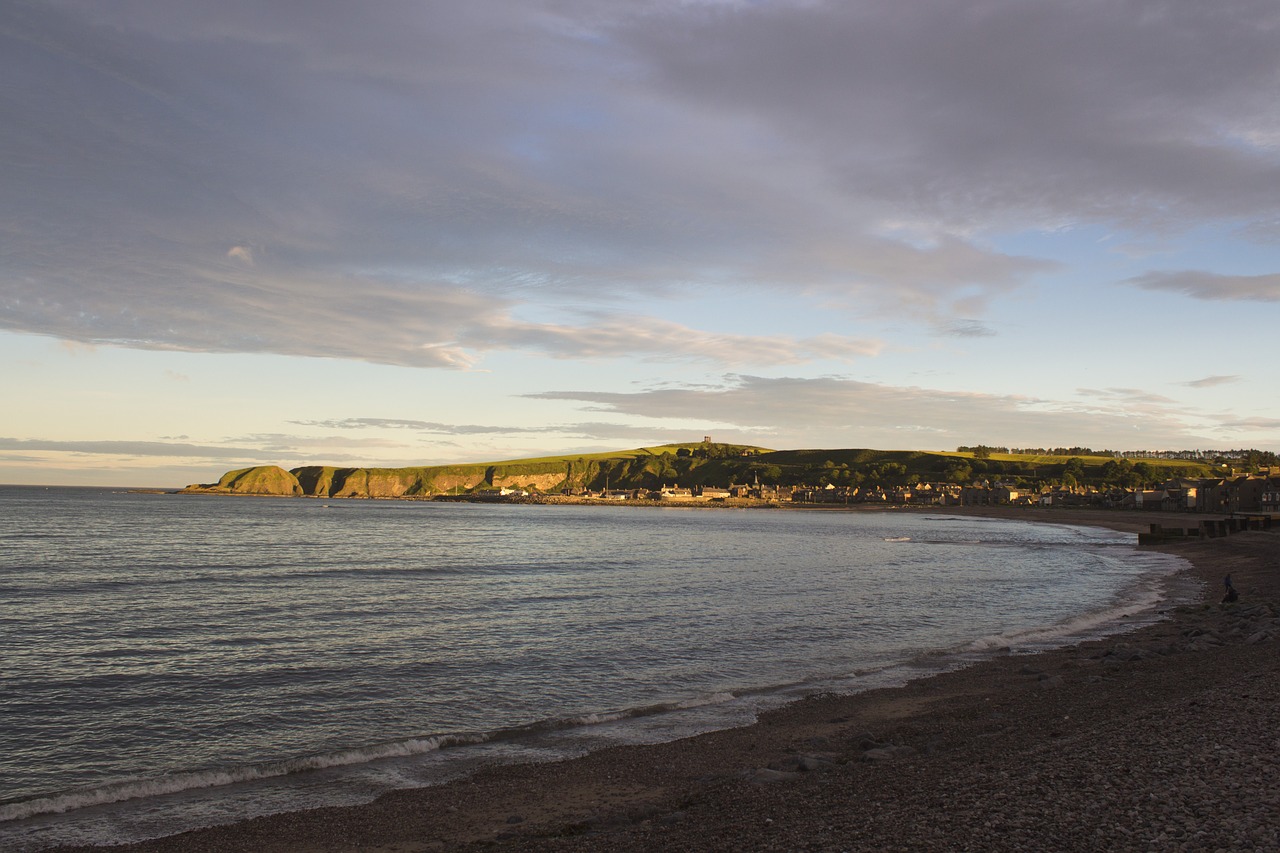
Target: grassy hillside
x: 262, y: 480
x: 709, y: 464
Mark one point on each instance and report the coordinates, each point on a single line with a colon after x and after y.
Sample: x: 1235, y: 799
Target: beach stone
x: 813, y: 762
x: 769, y: 776
x: 806, y: 762
x: 888, y: 753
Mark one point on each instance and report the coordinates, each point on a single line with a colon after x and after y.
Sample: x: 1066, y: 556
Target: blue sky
x: 416, y: 232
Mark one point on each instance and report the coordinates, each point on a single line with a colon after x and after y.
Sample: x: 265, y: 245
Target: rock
x: 807, y: 763
x: 768, y: 776
x: 888, y: 753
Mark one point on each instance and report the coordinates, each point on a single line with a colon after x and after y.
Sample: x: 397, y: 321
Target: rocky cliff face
x: 642, y: 468
x: 318, y: 480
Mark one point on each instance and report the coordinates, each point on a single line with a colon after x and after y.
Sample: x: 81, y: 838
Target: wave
x: 176, y: 783
x: 130, y: 789
x: 1140, y: 602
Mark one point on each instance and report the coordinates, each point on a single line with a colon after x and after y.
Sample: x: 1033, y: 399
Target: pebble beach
x: 1166, y: 737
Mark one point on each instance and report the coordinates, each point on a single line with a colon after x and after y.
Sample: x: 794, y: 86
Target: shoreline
x: 1157, y: 737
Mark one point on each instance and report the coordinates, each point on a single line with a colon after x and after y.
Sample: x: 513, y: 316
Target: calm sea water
x: 176, y: 661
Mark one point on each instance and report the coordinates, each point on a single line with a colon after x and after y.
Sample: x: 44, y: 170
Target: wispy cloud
x: 1200, y: 284
x: 131, y: 448
x: 1127, y: 396
x: 414, y: 425
x: 589, y: 430
x: 1252, y: 424
x: 966, y: 328
x: 1211, y: 381
x: 837, y: 411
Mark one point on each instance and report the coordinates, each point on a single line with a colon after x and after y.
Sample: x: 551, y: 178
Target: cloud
x: 966, y: 328
x: 241, y: 451
x: 243, y: 254
x: 1199, y: 284
x: 1253, y: 424
x: 1211, y: 381
x: 415, y: 425
x: 606, y: 337
x: 1070, y: 112
x: 589, y: 430
x: 387, y: 178
x: 17, y: 458
x: 841, y: 412
x: 130, y: 448
x: 1127, y: 396
x: 388, y: 321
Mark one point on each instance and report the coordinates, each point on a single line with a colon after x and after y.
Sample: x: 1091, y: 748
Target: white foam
x: 178, y: 782
x: 597, y: 719
x: 1137, y: 606
x: 701, y: 701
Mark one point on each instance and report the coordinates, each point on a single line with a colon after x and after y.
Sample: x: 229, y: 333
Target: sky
x: 413, y: 232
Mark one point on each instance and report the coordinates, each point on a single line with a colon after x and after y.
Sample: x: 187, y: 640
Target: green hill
x: 706, y: 464
x: 262, y: 480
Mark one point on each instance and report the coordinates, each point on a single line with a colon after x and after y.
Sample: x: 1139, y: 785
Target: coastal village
x: 707, y: 473
x: 1243, y: 493
x: 1231, y: 492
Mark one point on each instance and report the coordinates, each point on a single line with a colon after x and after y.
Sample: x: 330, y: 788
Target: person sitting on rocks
x: 1231, y: 594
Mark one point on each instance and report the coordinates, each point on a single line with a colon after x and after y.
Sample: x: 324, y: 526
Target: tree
x: 768, y: 474
x: 1116, y: 471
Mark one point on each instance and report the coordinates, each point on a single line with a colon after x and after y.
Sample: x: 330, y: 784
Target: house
x: 498, y: 494
x: 1213, y: 496
x: 672, y: 493
x: 1270, y: 500
x: 1155, y: 499
x: 1185, y: 491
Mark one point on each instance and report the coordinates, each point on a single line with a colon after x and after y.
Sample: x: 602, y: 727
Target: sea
x: 175, y: 661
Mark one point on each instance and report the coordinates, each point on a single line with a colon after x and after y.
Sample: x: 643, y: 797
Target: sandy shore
x: 1165, y: 738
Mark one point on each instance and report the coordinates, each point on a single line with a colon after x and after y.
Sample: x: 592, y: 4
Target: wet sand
x: 1164, y: 738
